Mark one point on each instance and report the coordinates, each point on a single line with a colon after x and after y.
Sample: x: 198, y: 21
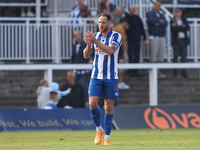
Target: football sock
x: 108, y: 123
x: 107, y: 136
x: 95, y: 114
x: 99, y: 128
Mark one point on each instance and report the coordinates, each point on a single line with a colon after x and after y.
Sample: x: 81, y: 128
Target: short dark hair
x: 53, y: 94
x: 105, y: 15
x: 123, y: 20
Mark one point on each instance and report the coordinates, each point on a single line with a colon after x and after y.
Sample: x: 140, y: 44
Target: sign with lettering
x: 161, y: 117
x: 36, y: 119
x: 132, y: 117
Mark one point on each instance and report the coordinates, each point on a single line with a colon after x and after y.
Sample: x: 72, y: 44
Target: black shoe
x: 183, y: 74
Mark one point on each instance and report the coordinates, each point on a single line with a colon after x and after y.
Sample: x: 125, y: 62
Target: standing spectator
x: 117, y: 15
x: 43, y: 94
x: 156, y: 27
x: 134, y: 33
x: 55, y: 87
x: 53, y: 101
x: 179, y: 28
x: 80, y: 11
x: 77, y: 57
x: 75, y: 98
x: 123, y: 52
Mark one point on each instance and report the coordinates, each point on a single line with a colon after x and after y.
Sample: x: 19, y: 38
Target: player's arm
x: 107, y: 49
x: 87, y: 52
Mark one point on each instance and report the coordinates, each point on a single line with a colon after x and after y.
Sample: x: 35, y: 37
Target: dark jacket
x: 176, y: 29
x: 154, y: 30
x: 75, y: 98
x: 78, y: 57
x: 136, y: 28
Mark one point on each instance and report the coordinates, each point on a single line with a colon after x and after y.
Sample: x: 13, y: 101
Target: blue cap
x: 54, y: 86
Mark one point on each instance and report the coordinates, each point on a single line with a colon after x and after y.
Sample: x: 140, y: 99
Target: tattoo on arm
x: 114, y: 48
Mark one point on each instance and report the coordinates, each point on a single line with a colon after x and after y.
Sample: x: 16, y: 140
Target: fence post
x: 168, y: 40
x: 195, y: 42
x: 140, y: 8
x: 48, y: 75
x: 27, y: 42
x: 57, y: 47
x: 153, y: 87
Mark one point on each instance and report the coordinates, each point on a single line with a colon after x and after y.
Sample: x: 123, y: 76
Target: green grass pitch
x: 144, y: 139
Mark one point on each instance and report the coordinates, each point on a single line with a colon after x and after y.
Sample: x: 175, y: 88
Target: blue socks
x: 108, y: 123
x: 95, y: 114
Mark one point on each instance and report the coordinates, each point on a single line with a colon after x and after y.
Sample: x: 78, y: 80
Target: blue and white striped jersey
x: 105, y: 66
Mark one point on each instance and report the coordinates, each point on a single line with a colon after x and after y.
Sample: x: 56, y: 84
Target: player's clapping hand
x: 88, y: 42
x: 91, y: 36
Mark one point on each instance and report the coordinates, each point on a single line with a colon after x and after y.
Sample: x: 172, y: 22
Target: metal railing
x: 22, y: 3
x: 38, y: 38
x: 151, y: 67
x: 51, y: 39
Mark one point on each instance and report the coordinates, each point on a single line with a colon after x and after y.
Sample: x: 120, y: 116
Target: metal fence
x: 51, y: 39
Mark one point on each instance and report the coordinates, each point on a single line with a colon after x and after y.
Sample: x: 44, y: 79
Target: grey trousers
x: 156, y: 49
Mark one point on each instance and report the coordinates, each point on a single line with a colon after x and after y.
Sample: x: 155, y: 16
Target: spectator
x: 44, y: 12
x: 179, y: 28
x: 104, y: 6
x: 77, y: 57
x: 55, y: 87
x: 123, y: 55
x: 76, y: 98
x: 80, y: 11
x: 117, y: 15
x: 43, y: 94
x: 28, y: 14
x: 156, y: 27
x: 134, y: 33
x: 53, y: 101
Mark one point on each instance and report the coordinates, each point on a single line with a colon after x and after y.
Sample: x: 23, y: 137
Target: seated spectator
x: 29, y: 13
x: 104, y: 6
x: 80, y: 11
x: 75, y: 98
x: 123, y: 52
x: 117, y: 15
x: 53, y: 101
x: 77, y: 57
x: 43, y: 94
x: 55, y: 87
x: 44, y: 12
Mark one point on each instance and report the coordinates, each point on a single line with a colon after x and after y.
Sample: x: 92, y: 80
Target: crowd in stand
x: 74, y: 94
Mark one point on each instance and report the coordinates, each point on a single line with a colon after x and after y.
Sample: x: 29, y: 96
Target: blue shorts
x: 106, y: 88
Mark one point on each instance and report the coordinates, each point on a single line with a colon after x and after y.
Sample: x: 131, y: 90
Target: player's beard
x: 104, y: 30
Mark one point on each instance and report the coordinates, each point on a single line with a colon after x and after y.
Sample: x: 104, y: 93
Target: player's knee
x: 92, y: 105
x: 109, y: 109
